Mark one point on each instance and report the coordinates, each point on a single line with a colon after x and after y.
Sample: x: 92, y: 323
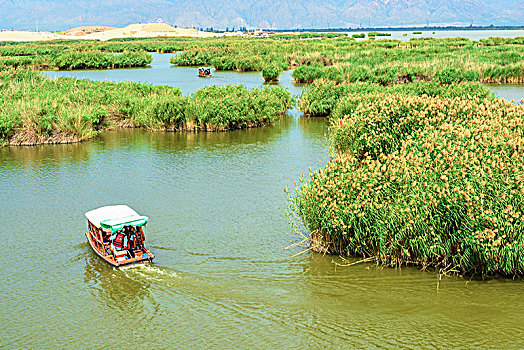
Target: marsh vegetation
x: 37, y: 109
x: 426, y: 164
x: 421, y: 174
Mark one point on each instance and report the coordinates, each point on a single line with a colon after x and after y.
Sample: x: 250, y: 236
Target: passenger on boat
x: 119, y: 240
x: 130, y: 244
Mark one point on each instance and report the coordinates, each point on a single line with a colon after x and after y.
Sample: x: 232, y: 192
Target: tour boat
x: 116, y: 234
x: 204, y: 72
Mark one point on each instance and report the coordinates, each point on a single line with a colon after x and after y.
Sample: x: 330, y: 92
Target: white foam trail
x: 152, y: 272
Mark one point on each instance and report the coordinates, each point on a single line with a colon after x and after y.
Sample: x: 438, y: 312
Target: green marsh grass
x: 382, y: 61
x: 421, y: 180
x: 36, y: 109
x: 271, y: 73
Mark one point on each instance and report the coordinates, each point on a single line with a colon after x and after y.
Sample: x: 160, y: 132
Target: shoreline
x: 29, y: 138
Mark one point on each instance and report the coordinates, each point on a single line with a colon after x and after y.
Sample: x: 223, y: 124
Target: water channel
x: 474, y: 34
x: 221, y: 278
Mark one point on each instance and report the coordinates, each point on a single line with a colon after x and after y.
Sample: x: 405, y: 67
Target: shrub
x: 270, y: 73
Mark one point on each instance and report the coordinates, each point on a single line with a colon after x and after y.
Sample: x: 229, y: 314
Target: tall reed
x: 430, y: 181
x: 35, y: 109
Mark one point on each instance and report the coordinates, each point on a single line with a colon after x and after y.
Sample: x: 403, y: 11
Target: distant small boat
x: 116, y: 235
x: 204, y: 72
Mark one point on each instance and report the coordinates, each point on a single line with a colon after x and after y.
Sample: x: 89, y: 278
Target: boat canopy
x: 115, y: 217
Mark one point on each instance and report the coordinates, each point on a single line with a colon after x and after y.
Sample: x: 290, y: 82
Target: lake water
x: 442, y: 34
x: 161, y: 72
x: 221, y: 278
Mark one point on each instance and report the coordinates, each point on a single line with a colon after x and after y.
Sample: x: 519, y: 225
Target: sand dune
x: 139, y: 30
x: 89, y: 29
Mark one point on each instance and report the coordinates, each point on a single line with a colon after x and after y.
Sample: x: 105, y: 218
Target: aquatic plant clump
x: 307, y: 74
x: 422, y: 180
x: 234, y: 106
x: 341, y: 58
x: 321, y: 99
x: 101, y: 60
x: 370, y: 34
x: 35, y: 109
x: 270, y: 73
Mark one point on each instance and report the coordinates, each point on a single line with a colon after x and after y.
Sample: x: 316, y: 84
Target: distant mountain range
x: 219, y: 14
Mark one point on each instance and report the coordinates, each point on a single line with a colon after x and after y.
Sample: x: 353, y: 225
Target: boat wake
x: 153, y: 273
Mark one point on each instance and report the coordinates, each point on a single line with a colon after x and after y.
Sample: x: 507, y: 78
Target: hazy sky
x: 59, y: 15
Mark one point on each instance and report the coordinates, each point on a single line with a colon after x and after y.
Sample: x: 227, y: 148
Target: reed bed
x: 322, y: 98
x: 378, y: 34
x: 422, y: 180
x: 338, y: 58
x: 271, y: 73
x: 35, y: 109
x: 100, y: 60
x: 69, y: 59
x: 382, y: 61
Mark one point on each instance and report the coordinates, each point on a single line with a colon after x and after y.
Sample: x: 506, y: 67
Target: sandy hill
x: 89, y: 29
x: 158, y: 27
x: 139, y: 30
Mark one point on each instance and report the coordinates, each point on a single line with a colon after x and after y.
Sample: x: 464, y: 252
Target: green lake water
x: 221, y: 278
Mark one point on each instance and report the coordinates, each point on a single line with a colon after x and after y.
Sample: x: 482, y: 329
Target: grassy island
x: 430, y: 180
x: 331, y: 56
x: 69, y: 60
x: 36, y: 109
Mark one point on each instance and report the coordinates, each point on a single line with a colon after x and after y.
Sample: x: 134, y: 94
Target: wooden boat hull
x: 126, y: 263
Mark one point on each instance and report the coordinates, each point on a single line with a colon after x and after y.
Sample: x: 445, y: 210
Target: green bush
x: 306, y: 74
x: 234, y: 106
x: 270, y: 73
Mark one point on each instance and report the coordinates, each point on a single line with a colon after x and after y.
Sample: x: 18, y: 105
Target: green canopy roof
x: 116, y: 224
